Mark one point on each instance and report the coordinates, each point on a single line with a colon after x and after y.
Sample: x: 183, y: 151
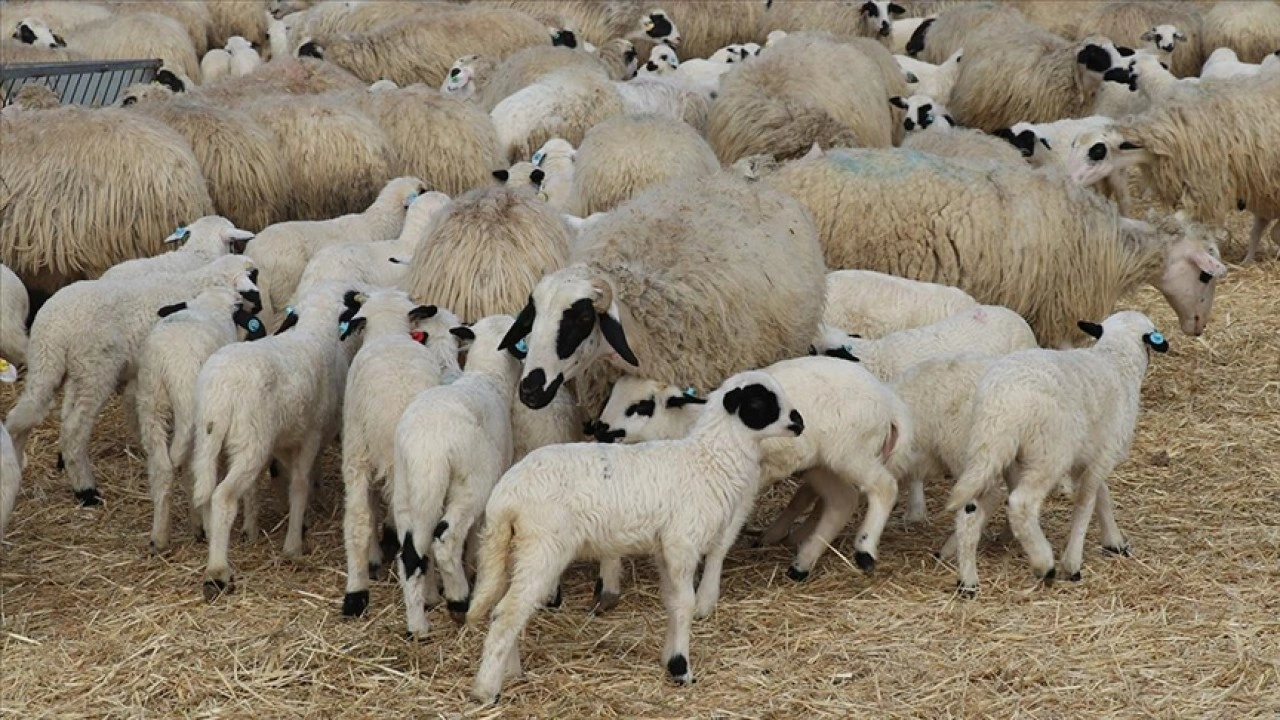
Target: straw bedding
x: 1188, y: 627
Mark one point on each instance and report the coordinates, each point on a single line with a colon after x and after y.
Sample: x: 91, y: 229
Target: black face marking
x: 501, y: 175
x: 842, y: 353
x: 680, y: 401
x: 422, y: 312
x: 532, y: 392
x: 1124, y: 51
x: 1121, y: 76
x: 521, y: 327
x: 128, y: 101
x: 629, y: 56
x: 1025, y: 141
x: 1092, y: 329
x: 896, y: 9
x: 310, y: 49
x: 565, y: 38
x: 643, y: 408
x: 678, y: 666
x: 25, y: 34
x: 1126, y: 145
x: 971, y: 508
x: 916, y: 44
x: 253, y: 276
x: 413, y: 562
x: 168, y: 310
x: 1094, y: 57
x: 253, y: 297
x: 576, y: 324
x: 57, y: 40
x: 651, y: 66
x: 355, y: 603
x: 1097, y: 152
x: 289, y: 321
x: 661, y: 26
x: 754, y: 404
x: 898, y: 102
x: 441, y: 528
x: 463, y: 333
x: 169, y: 80
x: 602, y: 433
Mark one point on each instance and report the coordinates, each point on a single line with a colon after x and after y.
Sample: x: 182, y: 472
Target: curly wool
x: 1252, y: 29
x: 134, y: 35
x: 246, y: 18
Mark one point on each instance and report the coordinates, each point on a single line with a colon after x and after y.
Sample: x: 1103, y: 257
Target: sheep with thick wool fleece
x: 624, y: 155
x: 382, y: 263
x: 298, y: 375
x: 806, y: 89
x: 1172, y: 30
x: 33, y: 31
x: 969, y: 224
x: 199, y: 243
x: 873, y: 19
x: 406, y: 349
x: 874, y: 304
x: 687, y: 283
x: 112, y: 320
x: 925, y: 78
x: 843, y: 452
x: 170, y: 359
x: 937, y: 39
x: 61, y: 14
x: 944, y: 140
x: 14, y: 305
x: 1149, y: 82
x: 1057, y: 413
x: 1248, y: 28
x: 192, y: 15
x: 452, y: 444
x: 281, y: 76
x: 131, y: 35
x: 10, y: 462
x: 677, y: 499
x: 283, y: 250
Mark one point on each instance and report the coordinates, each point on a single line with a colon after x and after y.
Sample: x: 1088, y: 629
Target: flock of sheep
x: 577, y: 280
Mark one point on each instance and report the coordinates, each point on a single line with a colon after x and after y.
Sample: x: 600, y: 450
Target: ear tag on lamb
x: 179, y: 235
x: 537, y: 158
x: 288, y: 309
x: 1156, y: 340
x: 690, y: 392
x: 342, y: 327
x: 419, y: 337
x: 8, y: 372
x: 522, y: 346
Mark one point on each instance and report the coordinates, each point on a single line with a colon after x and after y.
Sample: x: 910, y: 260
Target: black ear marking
x: 522, y: 326
x: 896, y: 9
x: 1126, y: 145
x: 1094, y: 57
x: 537, y: 176
x: 169, y: 80
x: 1156, y: 341
x: 465, y: 333
x: 898, y: 102
x: 501, y: 175
x: 57, y: 40
x: 1206, y: 277
x: 422, y: 312
x: 25, y: 34
x: 916, y: 44
x: 617, y: 338
x: 253, y: 327
x: 732, y: 401
x: 643, y: 408
x: 680, y: 401
x: 1092, y: 329
x: 168, y: 310
x: 1124, y: 51
x: 1097, y: 152
x: 310, y: 49
x: 842, y: 353
x: 1025, y: 141
x: 290, y: 320
x: 353, y: 326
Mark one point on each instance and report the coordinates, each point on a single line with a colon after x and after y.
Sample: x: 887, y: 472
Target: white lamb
x: 676, y: 500
x: 1162, y: 40
x: 277, y: 38
x: 1223, y: 63
x: 452, y: 445
x: 374, y: 263
x: 10, y: 464
x: 928, y: 79
x: 283, y: 250
x: 14, y: 306
x: 244, y: 57
x: 188, y: 333
x: 874, y: 304
x: 1053, y: 414
x: 406, y: 349
x: 920, y: 112
x: 556, y: 159
x: 279, y: 397
x: 215, y: 65
x: 86, y: 339
x: 206, y: 239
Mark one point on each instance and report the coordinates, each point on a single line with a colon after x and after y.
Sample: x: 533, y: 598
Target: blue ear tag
x: 537, y: 158
x: 288, y: 309
x: 1156, y: 338
x: 522, y: 346
x: 928, y: 117
x: 690, y: 392
x: 253, y: 325
x: 342, y: 327
x: 847, y: 348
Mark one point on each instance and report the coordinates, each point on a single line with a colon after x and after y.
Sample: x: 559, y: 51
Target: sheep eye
x: 1097, y: 152
x: 455, y: 72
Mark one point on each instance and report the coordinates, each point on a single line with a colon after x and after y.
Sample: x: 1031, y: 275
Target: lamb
x: 563, y: 104
x: 874, y: 304
x: 1171, y: 30
x: 697, y: 27
x: 452, y: 444
x: 13, y: 317
x: 1149, y: 82
x: 1248, y: 28
x: 556, y: 158
x: 1224, y: 63
x: 904, y: 29
x: 1075, y: 257
x: 283, y: 250
x: 622, y: 156
x: 187, y: 334
x: 10, y: 461
x: 244, y: 57
x: 407, y: 348
x: 215, y: 65
x: 1047, y: 143
x: 199, y: 243
x: 924, y: 78
x: 765, y: 107
x: 113, y: 318
x: 1057, y: 413
x: 680, y: 501
x: 523, y: 68
x: 302, y: 417
x: 1162, y: 40
x: 192, y: 16
x: 920, y: 112
x: 381, y: 264
x: 33, y: 31
x: 521, y: 175
x: 701, y: 276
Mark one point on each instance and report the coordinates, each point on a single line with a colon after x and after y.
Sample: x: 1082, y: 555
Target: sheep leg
x: 129, y: 404
x: 608, y: 584
x: 450, y: 538
x: 1024, y: 518
x: 1255, y: 237
x: 412, y: 566
x: 676, y: 567
x: 916, y: 512
x: 249, y: 504
x: 160, y: 474
x: 80, y: 413
x: 805, y: 529
x: 969, y: 522
x: 802, y: 500
x: 989, y: 500
x: 1085, y: 501
x: 358, y: 533
x: 840, y: 501
x: 709, y: 584
x: 221, y: 515
x: 1113, y: 541
x: 299, y: 494
x: 881, y: 489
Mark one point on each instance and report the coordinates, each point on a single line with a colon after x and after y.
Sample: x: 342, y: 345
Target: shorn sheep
x: 301, y: 372
x: 10, y: 462
x: 406, y: 349
x: 13, y: 317
x: 198, y: 244
x: 1075, y: 257
x: 623, y: 156
x: 67, y: 173
x: 1055, y: 414
x: 187, y: 334
x: 874, y: 304
x: 452, y: 445
x: 703, y: 277
x: 676, y: 500
x: 806, y: 89
x: 85, y: 340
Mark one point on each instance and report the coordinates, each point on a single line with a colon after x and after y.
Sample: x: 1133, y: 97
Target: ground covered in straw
x: 1188, y: 627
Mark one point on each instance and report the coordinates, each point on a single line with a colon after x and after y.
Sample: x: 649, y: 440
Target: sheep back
x: 964, y: 143
x: 484, y: 253
x: 1251, y: 29
x: 193, y: 15
x: 283, y: 76
x: 962, y: 26
x: 624, y: 155
x: 529, y: 64
x: 246, y: 18
x: 138, y: 35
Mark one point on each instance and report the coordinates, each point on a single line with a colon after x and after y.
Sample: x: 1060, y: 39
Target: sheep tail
x: 210, y: 436
x: 989, y: 454
x: 152, y: 428
x: 491, y: 570
x: 46, y: 369
x: 898, y: 449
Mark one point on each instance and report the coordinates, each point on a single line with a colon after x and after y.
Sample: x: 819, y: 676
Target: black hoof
x: 968, y: 592
x: 355, y: 603
x: 678, y: 667
x: 797, y: 574
x: 1122, y: 551
x: 458, y: 610
x: 865, y: 562
x: 213, y: 589
x: 1075, y: 577
x: 89, y: 497
x: 411, y: 637
x: 1049, y: 576
x: 200, y: 536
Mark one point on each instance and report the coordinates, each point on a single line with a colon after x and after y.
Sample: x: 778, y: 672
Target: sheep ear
x: 168, y: 310
x: 1092, y: 329
x: 680, y: 401
x: 1124, y: 51
x: 950, y: 120
x: 501, y: 175
x: 253, y: 328
x: 1176, y: 36
x: 464, y: 334
x: 1147, y: 36
x: 57, y: 40
x: 842, y: 353
x: 1126, y: 145
x: 611, y: 328
x: 1156, y: 341
x: 733, y: 401
x: 1208, y: 264
x: 1094, y: 58
x: 522, y: 326
x: 422, y: 312
x: 537, y: 176
x: 898, y: 102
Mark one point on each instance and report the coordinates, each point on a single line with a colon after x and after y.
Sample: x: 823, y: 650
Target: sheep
x: 937, y: 39
x: 920, y: 112
x: 10, y: 462
x: 667, y: 96
x: 406, y: 349
x: 1149, y: 81
x: 67, y: 178
x: 33, y: 31
x: 452, y: 444
x: 563, y: 104
x: 701, y: 276
x: 946, y: 141
x: 467, y: 78
x: 423, y: 48
x: 192, y: 15
x: 244, y: 168
x: 547, y: 502
x: 62, y: 14
x: 215, y: 65
x: 170, y: 358
x: 904, y: 29
x: 874, y: 304
x: 283, y: 250
x: 1172, y: 31
x: 246, y: 18
x: 916, y: 215
x: 924, y: 78
x: 111, y: 319
x: 557, y: 160
x: 1224, y: 63
x: 869, y: 19
x: 284, y: 76
x: 521, y: 175
x: 31, y: 97
x: 138, y: 34
x: 765, y: 107
x: 381, y: 264
x: 1058, y: 414
x: 1162, y: 40
x: 624, y: 155
x: 1250, y: 29
x: 14, y: 305
x: 303, y: 415
x: 244, y: 57
x: 199, y: 243
x: 277, y: 39
x: 526, y: 66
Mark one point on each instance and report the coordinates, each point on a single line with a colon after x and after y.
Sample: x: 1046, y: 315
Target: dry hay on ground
x: 1188, y: 627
